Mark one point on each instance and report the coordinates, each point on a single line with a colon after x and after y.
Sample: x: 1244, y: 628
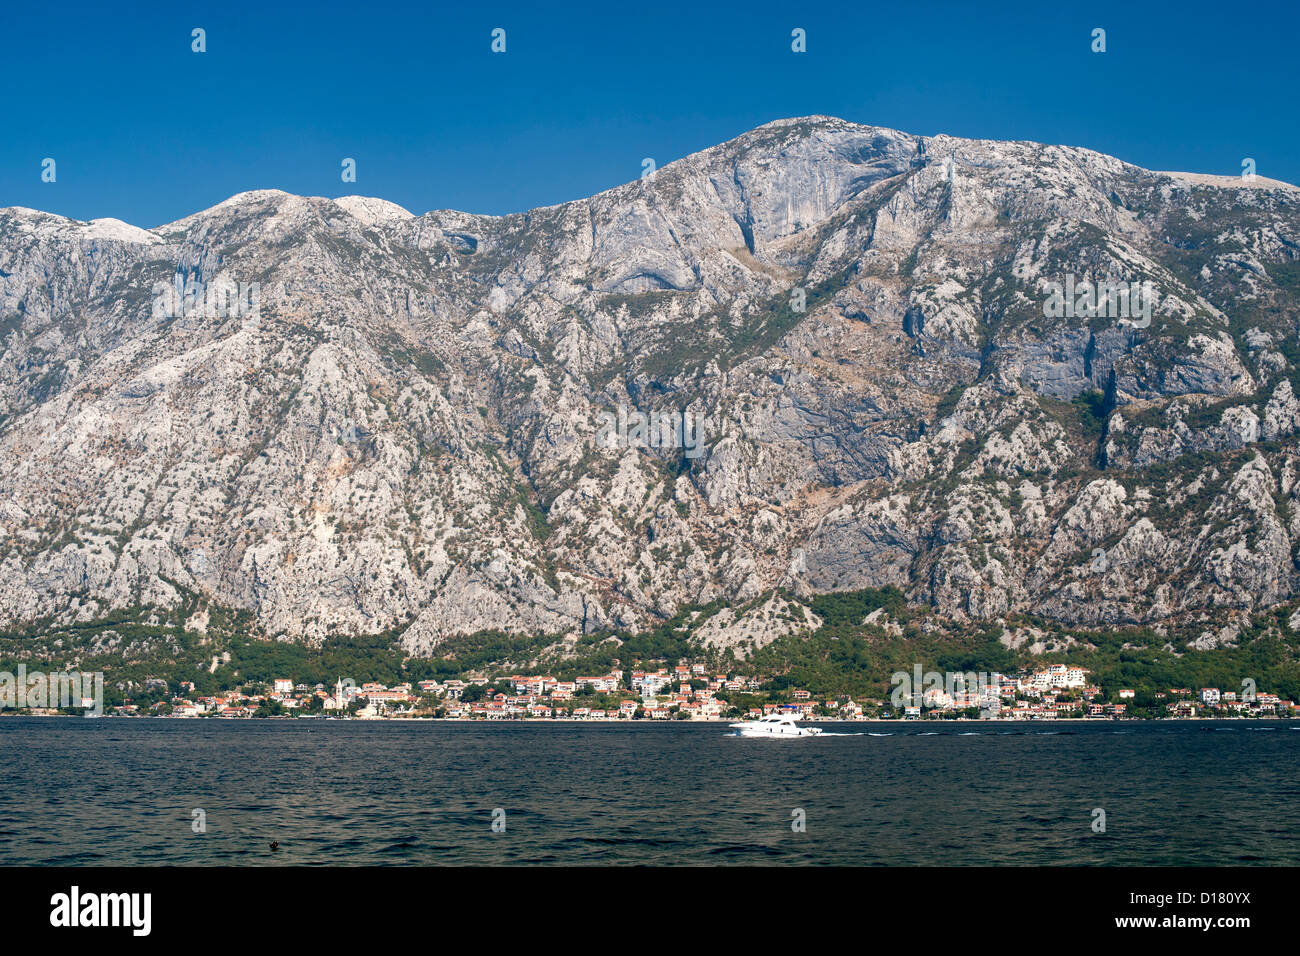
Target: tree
x: 269, y: 707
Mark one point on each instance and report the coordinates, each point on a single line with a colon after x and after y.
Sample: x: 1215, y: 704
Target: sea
x: 154, y: 792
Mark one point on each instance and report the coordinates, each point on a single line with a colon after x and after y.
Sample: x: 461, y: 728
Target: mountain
x: 868, y: 351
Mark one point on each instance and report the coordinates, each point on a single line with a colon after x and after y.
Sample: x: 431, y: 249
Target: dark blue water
x: 122, y: 791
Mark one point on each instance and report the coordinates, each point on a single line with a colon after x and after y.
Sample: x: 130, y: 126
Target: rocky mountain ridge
x: 404, y: 434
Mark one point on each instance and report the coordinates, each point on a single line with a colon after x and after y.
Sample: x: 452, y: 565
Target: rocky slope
x: 405, y: 434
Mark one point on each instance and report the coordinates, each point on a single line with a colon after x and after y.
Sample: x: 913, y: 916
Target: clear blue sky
x: 144, y: 130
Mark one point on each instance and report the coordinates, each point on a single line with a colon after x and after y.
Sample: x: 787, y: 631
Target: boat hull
x: 744, y: 730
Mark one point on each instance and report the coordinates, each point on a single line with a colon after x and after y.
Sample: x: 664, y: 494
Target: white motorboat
x: 773, y: 725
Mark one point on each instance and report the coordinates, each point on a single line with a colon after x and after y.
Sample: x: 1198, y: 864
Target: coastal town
x: 691, y: 692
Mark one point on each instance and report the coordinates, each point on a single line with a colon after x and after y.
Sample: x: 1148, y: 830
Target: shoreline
x: 644, y: 720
